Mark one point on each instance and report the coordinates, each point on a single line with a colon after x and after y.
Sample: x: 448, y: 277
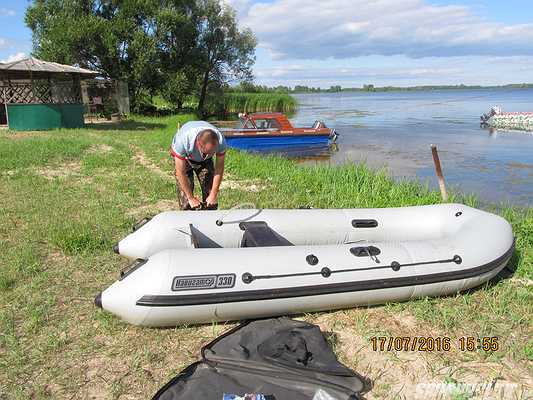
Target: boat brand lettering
x: 203, y: 282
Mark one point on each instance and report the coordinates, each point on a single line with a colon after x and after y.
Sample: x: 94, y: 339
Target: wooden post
x: 4, y: 78
x: 438, y: 170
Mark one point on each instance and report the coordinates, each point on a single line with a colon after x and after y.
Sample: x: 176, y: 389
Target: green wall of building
x: 36, y: 117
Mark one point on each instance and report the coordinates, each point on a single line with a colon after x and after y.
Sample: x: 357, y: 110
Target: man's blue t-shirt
x: 184, y: 144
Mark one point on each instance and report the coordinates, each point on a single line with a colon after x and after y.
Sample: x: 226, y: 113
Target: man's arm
x: 183, y: 181
x: 217, y: 179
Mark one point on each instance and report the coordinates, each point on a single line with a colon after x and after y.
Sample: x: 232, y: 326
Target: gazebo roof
x: 32, y: 65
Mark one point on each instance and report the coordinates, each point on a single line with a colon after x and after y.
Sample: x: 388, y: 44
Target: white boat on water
x: 196, y: 267
x: 498, y: 119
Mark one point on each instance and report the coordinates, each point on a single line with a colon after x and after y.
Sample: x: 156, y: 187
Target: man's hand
x: 211, y: 199
x: 217, y: 179
x: 194, y: 202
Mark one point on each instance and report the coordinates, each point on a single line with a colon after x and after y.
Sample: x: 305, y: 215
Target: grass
x: 256, y: 102
x: 68, y: 195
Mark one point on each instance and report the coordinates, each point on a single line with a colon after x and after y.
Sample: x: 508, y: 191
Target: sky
x: 356, y: 42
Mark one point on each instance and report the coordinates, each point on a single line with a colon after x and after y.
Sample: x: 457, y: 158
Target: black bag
x: 282, y: 359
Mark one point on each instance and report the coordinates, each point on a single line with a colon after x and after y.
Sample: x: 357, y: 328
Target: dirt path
x: 228, y: 183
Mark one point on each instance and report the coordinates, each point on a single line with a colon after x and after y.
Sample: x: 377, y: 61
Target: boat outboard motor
x: 486, y: 117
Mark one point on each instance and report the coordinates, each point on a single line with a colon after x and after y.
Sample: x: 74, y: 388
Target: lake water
x: 395, y: 130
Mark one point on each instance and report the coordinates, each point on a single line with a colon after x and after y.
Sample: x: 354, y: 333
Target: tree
x: 178, y: 85
x: 169, y: 47
x: 134, y: 40
x: 225, y: 53
x: 177, y: 38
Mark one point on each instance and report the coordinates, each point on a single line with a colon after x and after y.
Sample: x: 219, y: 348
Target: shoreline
x: 418, y: 89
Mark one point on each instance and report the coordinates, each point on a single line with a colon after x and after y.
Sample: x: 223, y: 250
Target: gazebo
x: 38, y: 95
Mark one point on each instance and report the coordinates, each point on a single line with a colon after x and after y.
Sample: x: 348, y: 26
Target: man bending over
x: 193, y: 148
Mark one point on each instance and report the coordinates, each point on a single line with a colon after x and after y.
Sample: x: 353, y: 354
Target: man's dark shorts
x: 205, y: 171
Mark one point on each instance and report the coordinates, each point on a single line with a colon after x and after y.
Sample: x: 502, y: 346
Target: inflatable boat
x: 196, y: 267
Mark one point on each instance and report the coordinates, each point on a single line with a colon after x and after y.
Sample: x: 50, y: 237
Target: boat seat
x: 259, y: 234
x: 194, y: 237
x: 201, y: 241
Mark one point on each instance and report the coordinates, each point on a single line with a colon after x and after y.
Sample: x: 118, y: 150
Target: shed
x: 39, y: 95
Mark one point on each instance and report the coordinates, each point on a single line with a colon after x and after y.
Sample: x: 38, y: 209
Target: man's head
x: 208, y: 142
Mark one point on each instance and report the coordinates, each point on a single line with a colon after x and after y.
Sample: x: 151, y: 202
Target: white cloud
x: 240, y: 6
x: 14, y: 57
x: 302, y: 29
x: 6, y: 12
x: 399, y: 71
x: 348, y: 74
x: 280, y: 71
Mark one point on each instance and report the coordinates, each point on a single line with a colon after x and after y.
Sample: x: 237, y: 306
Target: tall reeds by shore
x: 257, y: 102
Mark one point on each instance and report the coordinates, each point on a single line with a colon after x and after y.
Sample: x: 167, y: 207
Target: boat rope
x: 372, y: 256
x: 326, y: 272
x: 355, y: 241
x: 185, y: 233
x: 239, y: 206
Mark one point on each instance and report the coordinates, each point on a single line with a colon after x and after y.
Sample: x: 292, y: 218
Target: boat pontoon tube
x: 262, y: 263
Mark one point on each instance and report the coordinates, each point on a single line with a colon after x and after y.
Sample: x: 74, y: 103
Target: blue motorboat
x: 274, y: 130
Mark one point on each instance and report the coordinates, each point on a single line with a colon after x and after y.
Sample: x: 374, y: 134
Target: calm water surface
x: 395, y: 130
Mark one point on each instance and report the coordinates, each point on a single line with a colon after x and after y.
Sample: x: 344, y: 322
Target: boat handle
x: 364, y: 223
x: 140, y: 223
x: 366, y: 251
x: 130, y: 268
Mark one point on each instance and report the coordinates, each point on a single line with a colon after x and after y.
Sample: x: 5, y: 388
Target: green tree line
x: 172, y: 48
x: 250, y: 87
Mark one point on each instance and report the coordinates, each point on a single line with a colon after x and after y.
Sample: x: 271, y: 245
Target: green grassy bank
x: 69, y: 195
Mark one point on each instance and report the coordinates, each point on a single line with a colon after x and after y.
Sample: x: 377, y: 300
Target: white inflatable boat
x: 203, y: 266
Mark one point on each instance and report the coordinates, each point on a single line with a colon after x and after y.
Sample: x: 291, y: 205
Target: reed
x: 256, y: 102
